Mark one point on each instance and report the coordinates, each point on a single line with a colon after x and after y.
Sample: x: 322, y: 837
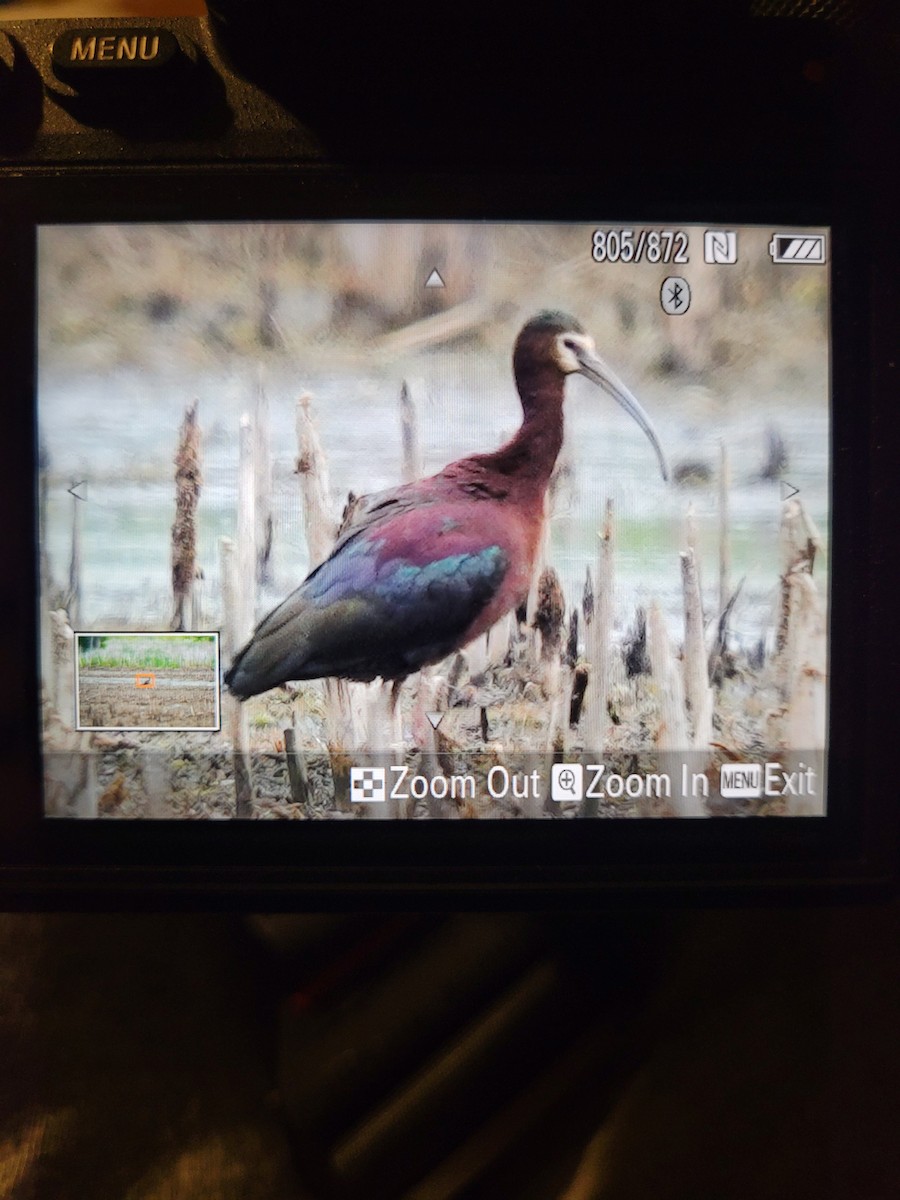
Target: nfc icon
x: 567, y: 781
x: 719, y: 246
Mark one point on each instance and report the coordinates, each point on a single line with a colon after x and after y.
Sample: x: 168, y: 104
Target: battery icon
x: 797, y: 248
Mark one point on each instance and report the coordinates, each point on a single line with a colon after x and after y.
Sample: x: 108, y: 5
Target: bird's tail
x: 275, y: 653
x: 298, y: 640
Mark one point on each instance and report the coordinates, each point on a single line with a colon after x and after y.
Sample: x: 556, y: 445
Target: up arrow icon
x: 434, y: 280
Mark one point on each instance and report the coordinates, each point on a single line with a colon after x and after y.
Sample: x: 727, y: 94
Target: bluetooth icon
x: 675, y: 296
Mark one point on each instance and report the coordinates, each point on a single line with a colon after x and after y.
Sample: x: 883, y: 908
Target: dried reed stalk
x: 262, y: 476
x: 800, y: 665
x: 155, y: 778
x: 312, y: 467
x: 245, y: 549
x: 382, y: 742
x: 672, y: 737
x: 599, y: 637
x: 188, y: 481
x: 432, y: 695
x: 235, y: 720
x: 698, y: 694
x: 72, y: 600
x: 411, y: 467
x: 298, y: 776
x: 342, y: 720
x: 724, y: 529
x: 70, y: 775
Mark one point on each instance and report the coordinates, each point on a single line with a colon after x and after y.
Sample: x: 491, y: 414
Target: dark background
x: 761, y: 1059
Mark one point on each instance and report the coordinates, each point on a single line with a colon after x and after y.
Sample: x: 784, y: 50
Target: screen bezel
x: 513, y: 859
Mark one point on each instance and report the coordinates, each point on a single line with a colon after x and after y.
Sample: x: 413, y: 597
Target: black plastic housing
x: 250, y: 158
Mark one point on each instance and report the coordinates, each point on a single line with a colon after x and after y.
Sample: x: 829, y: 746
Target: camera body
x: 574, y: 169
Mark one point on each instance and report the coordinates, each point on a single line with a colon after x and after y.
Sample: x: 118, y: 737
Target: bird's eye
x: 570, y: 343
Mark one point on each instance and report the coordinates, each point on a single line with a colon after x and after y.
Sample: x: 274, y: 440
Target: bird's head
x: 557, y: 341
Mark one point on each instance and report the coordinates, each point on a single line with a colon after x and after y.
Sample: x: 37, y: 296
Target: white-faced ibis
x: 423, y: 569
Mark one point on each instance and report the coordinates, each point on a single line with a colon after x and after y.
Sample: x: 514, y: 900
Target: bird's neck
x: 531, y: 455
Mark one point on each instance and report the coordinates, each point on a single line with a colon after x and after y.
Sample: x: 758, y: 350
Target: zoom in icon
x: 567, y: 781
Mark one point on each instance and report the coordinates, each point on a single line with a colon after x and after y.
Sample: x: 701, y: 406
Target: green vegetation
x: 147, y: 662
x: 150, y: 653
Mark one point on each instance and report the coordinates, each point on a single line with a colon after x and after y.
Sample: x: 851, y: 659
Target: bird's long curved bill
x: 594, y: 368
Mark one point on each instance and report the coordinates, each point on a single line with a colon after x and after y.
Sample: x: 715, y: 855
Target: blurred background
x: 684, y: 1055
x: 138, y: 321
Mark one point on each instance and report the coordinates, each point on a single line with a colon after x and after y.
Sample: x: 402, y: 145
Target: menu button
x: 131, y: 49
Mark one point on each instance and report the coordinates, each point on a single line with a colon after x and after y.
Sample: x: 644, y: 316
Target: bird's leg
x: 355, y: 695
x: 338, y: 739
x: 395, y: 732
x: 477, y: 657
x: 385, y: 733
x: 395, y: 708
x: 382, y: 743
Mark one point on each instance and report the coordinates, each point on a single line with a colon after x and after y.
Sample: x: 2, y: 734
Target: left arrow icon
x: 73, y: 490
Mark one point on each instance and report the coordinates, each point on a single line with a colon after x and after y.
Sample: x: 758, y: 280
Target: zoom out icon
x: 567, y: 781
x: 368, y: 785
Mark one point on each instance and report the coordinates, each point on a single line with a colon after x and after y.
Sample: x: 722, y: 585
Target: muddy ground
x: 174, y: 698
x: 197, y: 768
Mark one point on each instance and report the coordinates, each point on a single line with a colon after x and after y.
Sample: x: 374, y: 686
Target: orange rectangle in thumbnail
x: 145, y: 679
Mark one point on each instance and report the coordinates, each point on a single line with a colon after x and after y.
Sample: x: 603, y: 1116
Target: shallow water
x: 118, y: 431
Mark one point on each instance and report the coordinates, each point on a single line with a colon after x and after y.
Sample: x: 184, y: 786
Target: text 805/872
x: 640, y: 245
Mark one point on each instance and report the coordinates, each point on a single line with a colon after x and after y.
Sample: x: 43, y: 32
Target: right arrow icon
x: 788, y: 490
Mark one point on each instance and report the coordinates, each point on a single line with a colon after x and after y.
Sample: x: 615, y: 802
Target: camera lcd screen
x: 429, y: 521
